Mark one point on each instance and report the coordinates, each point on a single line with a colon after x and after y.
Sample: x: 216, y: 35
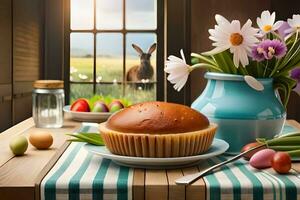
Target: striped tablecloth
x: 81, y: 175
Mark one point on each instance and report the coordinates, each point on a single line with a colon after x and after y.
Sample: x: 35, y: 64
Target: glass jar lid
x: 48, y: 84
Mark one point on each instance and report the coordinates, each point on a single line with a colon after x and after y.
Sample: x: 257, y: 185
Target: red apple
x: 80, y: 105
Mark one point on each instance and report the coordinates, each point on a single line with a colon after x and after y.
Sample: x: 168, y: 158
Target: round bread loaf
x: 157, y: 118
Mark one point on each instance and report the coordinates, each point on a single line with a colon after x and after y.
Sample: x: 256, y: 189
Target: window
x: 99, y: 53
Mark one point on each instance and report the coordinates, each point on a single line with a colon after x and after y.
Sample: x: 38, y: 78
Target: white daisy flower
x: 294, y: 23
x: 230, y: 35
x: 178, y: 71
x: 267, y: 23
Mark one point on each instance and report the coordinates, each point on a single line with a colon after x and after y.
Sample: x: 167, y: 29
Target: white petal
x: 246, y: 26
x: 175, y: 59
x: 291, y: 22
x: 265, y: 15
x: 236, y: 26
x: 179, y: 85
x: 243, y: 57
x: 296, y: 19
x: 182, y: 55
x: 175, y: 68
x: 216, y: 50
x: 236, y: 59
x: 221, y: 20
x: 289, y: 30
x: 176, y: 76
x: 176, y: 79
x: 254, y: 83
x: 272, y: 18
x: 277, y: 25
x: 259, y: 23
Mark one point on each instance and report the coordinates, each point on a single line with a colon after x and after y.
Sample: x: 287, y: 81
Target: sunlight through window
x: 102, y: 59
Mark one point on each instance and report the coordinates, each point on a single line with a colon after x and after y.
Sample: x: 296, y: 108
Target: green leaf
x: 206, y: 66
x: 92, y: 138
x: 204, y: 59
x: 224, y: 61
x: 75, y: 140
x: 285, y: 84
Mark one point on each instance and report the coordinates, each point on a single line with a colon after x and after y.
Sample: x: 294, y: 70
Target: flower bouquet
x: 246, y: 69
x: 270, y: 51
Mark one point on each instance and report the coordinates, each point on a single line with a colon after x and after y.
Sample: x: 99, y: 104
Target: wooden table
x: 20, y: 177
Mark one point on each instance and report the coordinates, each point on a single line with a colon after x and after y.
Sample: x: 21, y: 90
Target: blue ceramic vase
x: 242, y: 113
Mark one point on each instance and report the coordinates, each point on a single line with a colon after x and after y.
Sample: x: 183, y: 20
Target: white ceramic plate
x: 87, y: 116
x: 218, y: 147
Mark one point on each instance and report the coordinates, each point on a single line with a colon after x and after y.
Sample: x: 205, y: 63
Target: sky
x: 140, y: 14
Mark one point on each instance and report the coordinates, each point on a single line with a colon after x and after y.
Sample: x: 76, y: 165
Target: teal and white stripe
x: 79, y: 174
x: 239, y: 180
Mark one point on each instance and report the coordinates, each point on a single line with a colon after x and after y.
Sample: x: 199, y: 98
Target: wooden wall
x: 27, y: 54
x: 202, y: 19
x: 21, y: 57
x: 5, y: 64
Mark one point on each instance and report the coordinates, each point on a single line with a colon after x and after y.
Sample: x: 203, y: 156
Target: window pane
x: 113, y: 90
x: 145, y: 90
x: 144, y: 41
x: 82, y: 14
x: 81, y: 58
x: 109, y: 14
x: 141, y: 14
x: 109, y: 57
x: 141, y: 93
x: 80, y: 91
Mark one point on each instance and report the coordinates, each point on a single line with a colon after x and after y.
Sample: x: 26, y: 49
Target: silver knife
x: 189, y: 179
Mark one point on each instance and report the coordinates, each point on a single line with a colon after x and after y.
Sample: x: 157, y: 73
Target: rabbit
x: 143, y: 71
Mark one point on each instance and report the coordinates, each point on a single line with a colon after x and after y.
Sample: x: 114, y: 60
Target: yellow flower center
x: 271, y: 50
x: 260, y: 50
x: 267, y: 28
x: 236, y: 39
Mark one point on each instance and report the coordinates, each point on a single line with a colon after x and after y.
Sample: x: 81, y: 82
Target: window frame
x: 159, y: 31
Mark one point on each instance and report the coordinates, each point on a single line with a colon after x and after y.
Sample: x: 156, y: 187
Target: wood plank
x: 10, y: 133
x: 12, y: 193
x: 197, y: 189
x: 176, y: 192
x: 295, y: 166
x: 27, y: 171
x: 293, y: 123
x: 156, y: 185
x: 138, y: 184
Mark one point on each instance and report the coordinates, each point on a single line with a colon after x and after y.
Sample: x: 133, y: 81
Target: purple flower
x: 281, y: 31
x: 267, y: 49
x: 295, y: 74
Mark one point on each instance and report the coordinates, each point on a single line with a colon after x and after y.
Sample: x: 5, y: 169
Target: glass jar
x: 47, y: 103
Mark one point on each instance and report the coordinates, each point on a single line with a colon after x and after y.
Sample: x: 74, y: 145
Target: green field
x: 108, y: 70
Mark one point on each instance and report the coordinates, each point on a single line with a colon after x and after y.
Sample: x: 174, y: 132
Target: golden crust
x: 158, y: 145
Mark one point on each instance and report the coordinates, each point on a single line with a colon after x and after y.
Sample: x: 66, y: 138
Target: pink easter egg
x: 262, y: 159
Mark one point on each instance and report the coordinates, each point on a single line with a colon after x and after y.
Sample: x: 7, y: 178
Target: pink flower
x: 267, y: 49
x: 295, y: 74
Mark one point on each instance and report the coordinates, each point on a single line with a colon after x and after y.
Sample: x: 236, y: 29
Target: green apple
x: 100, y: 106
x: 115, y: 106
x: 18, y: 145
